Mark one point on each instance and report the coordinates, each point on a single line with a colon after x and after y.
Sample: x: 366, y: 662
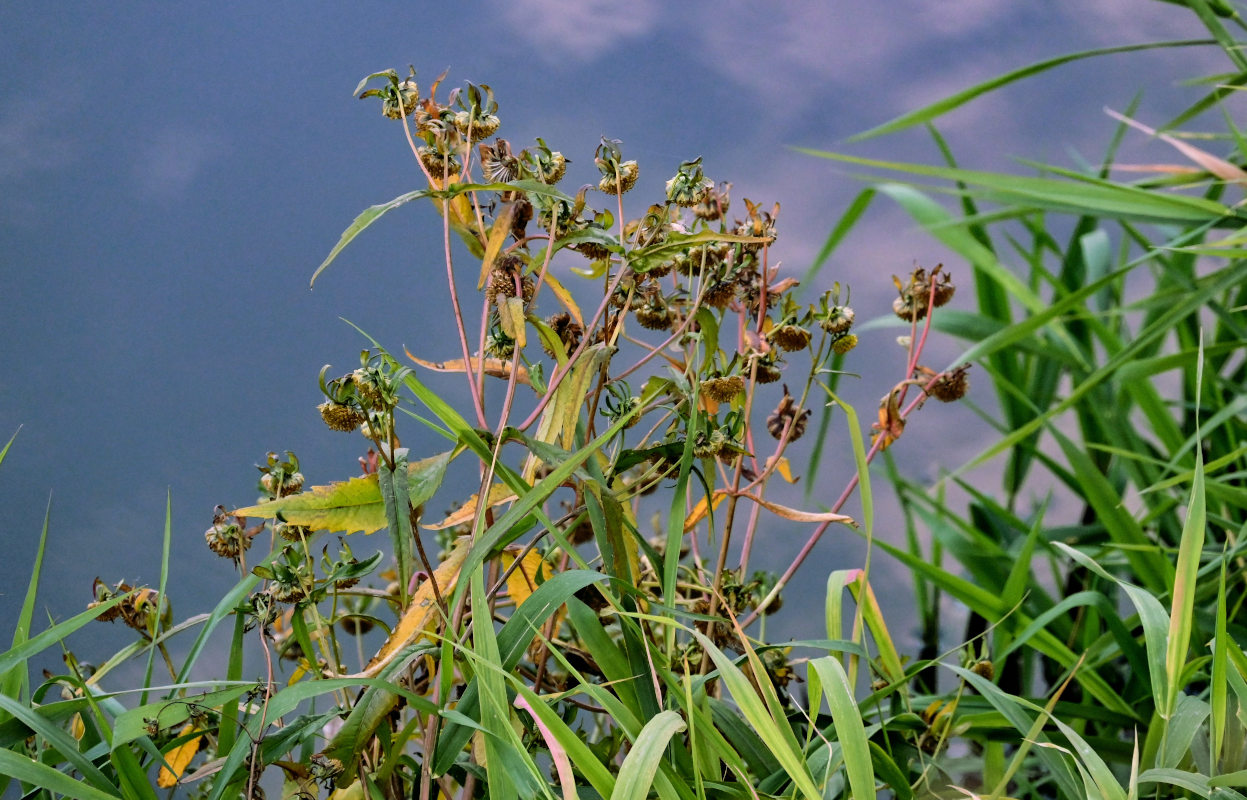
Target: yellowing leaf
x: 353, y: 505
x: 497, y: 235
x: 178, y: 759
x: 565, y: 297
x: 532, y: 571
x: 77, y: 728
x: 494, y: 367
x: 462, y: 219
x: 422, y: 614
x: 784, y: 469
x: 703, y: 508
x: 499, y: 493
x: 511, y: 315
x: 353, y: 792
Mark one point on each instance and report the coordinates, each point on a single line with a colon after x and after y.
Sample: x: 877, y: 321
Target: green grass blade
x: 775, y: 732
x: 1079, y: 194
x: 1190, y: 548
x: 14, y: 681
x: 35, y: 773
x: 60, y: 740
x: 636, y: 776
x: 847, y: 719
x: 941, y: 107
x: 17, y: 655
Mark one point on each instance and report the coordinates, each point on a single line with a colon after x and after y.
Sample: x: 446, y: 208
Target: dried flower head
x: 341, y: 416
x: 714, y: 204
x: 787, y: 415
x: 950, y: 385
x: 543, y: 164
x: 723, y: 388
x: 792, y: 338
x: 837, y: 320
x: 567, y: 329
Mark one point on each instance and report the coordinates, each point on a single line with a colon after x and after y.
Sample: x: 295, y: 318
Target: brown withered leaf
x: 1218, y: 167
x: 891, y: 424
x: 494, y: 367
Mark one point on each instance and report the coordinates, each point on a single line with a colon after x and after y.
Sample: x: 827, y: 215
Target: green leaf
x: 849, y: 728
x: 16, y: 765
x: 1080, y: 195
x: 636, y: 776
x: 353, y: 505
x: 775, y: 732
x: 13, y: 683
x: 369, y: 216
x: 53, y: 635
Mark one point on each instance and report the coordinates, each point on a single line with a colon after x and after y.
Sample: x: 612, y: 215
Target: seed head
x: 621, y: 184
x: 787, y: 414
x: 792, y: 338
x: 844, y: 344
x: 838, y: 320
x: 340, y: 416
x: 951, y: 385
x: 227, y: 539
x: 719, y: 294
x: 723, y: 388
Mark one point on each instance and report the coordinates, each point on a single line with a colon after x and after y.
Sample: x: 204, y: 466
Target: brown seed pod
x: 786, y: 414
x: 568, y: 331
x: 767, y: 371
x: 655, y: 316
x: 227, y: 539
x: 951, y: 385
x: 719, y: 294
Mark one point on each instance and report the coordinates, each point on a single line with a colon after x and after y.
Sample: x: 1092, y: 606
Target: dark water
x: 170, y: 177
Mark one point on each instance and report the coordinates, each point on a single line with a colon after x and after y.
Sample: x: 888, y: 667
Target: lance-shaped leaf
x: 354, y: 505
x: 499, y: 493
x: 494, y: 367
x: 423, y: 612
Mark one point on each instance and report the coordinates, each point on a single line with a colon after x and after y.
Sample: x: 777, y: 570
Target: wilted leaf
x: 784, y: 469
x: 703, y: 508
x: 891, y: 424
x: 178, y: 759
x: 1216, y: 166
x: 499, y: 493
x: 353, y: 505
x: 532, y: 571
x: 565, y: 297
x: 800, y: 516
x: 511, y: 315
x: 497, y: 235
x: 422, y: 614
x: 494, y: 367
